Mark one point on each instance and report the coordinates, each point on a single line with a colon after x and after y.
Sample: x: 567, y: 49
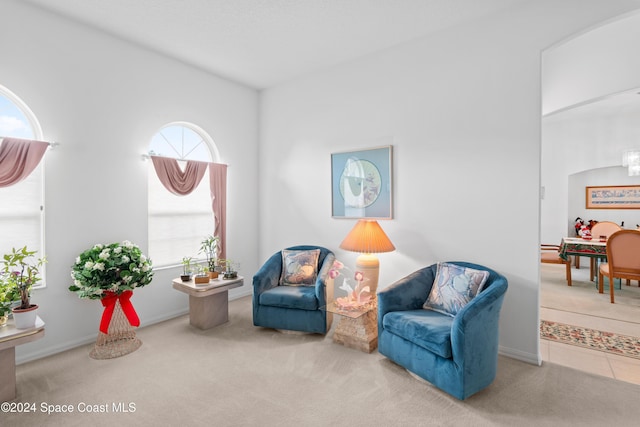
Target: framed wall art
x: 361, y: 184
x: 613, y: 197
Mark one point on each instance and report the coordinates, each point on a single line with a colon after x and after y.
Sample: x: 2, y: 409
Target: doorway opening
x: 588, y: 122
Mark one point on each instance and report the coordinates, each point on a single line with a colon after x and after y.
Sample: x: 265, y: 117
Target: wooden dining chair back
x: 550, y: 254
x: 602, y: 229
x: 623, y: 259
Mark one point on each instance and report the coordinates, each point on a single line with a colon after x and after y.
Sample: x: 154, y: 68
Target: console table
x: 208, y: 302
x: 10, y: 337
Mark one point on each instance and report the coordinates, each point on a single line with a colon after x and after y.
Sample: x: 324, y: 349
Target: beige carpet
x: 240, y: 375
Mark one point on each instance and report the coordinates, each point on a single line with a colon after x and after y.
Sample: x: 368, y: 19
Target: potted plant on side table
x: 20, y: 272
x: 186, y: 269
x: 202, y: 276
x: 229, y: 269
x: 210, y: 247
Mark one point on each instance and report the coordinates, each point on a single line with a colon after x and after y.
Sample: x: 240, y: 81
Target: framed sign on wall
x: 361, y: 184
x: 613, y: 197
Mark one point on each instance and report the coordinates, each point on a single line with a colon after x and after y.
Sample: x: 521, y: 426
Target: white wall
x: 573, y: 145
x: 102, y: 100
x: 462, y: 108
x: 601, y: 61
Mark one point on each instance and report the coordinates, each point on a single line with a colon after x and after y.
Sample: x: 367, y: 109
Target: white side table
x: 10, y: 337
x: 208, y: 302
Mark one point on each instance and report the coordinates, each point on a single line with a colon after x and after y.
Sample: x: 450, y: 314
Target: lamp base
x: 369, y: 266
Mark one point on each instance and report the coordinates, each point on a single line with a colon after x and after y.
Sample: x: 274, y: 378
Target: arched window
x: 21, y: 204
x: 177, y: 224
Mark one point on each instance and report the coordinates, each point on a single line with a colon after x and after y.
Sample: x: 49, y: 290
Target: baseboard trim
x: 55, y: 349
x: 531, y: 358
x: 59, y: 348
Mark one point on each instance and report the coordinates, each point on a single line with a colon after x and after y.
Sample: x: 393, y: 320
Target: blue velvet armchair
x: 457, y: 354
x: 294, y: 308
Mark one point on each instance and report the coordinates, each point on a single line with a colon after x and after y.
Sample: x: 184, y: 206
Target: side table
x: 357, y: 329
x: 208, y: 302
x: 10, y: 337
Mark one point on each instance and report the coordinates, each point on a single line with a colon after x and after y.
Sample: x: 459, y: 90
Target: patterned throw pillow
x: 299, y: 268
x: 453, y: 288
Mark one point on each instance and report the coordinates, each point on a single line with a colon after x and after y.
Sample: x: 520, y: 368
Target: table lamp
x: 368, y: 238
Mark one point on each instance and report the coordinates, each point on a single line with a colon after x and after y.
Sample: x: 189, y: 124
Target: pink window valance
x: 18, y: 158
x: 184, y: 182
x: 174, y: 179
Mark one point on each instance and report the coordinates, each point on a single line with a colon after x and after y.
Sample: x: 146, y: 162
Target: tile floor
x: 596, y: 362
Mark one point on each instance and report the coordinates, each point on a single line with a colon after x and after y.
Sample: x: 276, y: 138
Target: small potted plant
x: 203, y: 275
x: 210, y: 248
x: 229, y: 269
x: 186, y: 269
x: 21, y: 271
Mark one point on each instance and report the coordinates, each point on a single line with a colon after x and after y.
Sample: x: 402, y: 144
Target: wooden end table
x: 10, y: 337
x: 208, y: 302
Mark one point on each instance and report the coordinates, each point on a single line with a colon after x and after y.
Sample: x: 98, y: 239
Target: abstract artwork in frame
x: 613, y: 197
x: 361, y: 184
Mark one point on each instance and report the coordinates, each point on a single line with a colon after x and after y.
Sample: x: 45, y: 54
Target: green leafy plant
x: 116, y: 268
x: 229, y: 269
x: 209, y: 246
x: 202, y: 270
x: 20, y: 271
x: 8, y: 295
x: 186, y: 265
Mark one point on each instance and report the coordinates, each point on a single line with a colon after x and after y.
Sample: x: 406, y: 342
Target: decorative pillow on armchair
x: 453, y: 287
x: 299, y: 268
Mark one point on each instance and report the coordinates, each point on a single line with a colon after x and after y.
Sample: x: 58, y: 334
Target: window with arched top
x: 22, y: 203
x: 178, y: 223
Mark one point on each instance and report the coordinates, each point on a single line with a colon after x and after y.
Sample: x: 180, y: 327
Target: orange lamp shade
x: 367, y: 237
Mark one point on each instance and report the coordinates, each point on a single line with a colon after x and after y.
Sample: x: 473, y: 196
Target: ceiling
x: 261, y: 43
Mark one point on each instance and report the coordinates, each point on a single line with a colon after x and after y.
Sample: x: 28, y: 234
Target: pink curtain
x: 218, y: 186
x: 172, y: 177
x: 183, y: 183
x: 18, y: 158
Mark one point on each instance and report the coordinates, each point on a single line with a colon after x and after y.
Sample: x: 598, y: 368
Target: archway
x: 591, y: 112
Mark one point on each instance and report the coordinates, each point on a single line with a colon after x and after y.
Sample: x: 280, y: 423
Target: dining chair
x: 623, y: 259
x: 599, y: 230
x: 550, y: 254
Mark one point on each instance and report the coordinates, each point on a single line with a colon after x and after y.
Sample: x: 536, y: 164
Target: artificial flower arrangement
x: 358, y: 294
x: 116, y: 268
x: 110, y: 273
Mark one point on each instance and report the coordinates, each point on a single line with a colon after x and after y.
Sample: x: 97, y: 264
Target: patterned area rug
x: 623, y: 345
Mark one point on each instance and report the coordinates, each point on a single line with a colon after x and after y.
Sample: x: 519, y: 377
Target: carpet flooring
x: 622, y: 345
x: 240, y: 375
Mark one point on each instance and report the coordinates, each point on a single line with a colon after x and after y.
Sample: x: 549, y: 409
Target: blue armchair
x: 294, y: 308
x: 457, y: 354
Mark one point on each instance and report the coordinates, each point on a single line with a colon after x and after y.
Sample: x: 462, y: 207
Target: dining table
x: 591, y: 248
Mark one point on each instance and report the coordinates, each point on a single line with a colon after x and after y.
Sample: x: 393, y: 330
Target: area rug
x: 623, y: 345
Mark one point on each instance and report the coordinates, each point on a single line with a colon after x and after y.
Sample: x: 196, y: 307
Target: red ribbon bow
x: 109, y: 304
